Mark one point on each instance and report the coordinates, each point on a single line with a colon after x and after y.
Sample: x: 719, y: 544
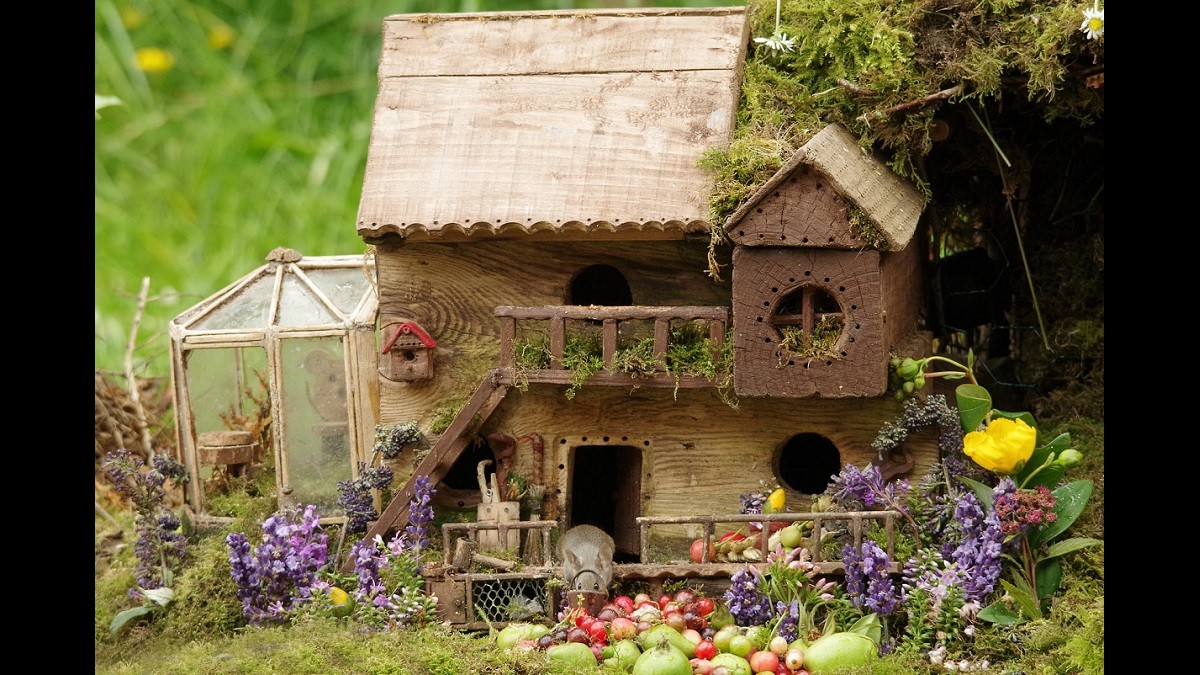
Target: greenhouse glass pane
x: 316, y: 420
x: 223, y: 384
x: 299, y: 307
x: 248, y: 309
x: 344, y: 287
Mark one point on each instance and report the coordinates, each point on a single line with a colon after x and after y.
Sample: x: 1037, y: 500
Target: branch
x: 915, y: 103
x: 130, y: 380
x: 853, y: 88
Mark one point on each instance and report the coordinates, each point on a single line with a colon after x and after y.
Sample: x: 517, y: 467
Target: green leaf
x: 974, y: 402
x: 106, y: 101
x: 1049, y: 475
x: 997, y: 613
x: 971, y: 360
x: 1025, y: 417
x: 123, y: 617
x: 1060, y: 548
x: 1069, y: 501
x: 1023, y: 596
x: 982, y: 492
x: 1047, y: 576
x: 870, y: 626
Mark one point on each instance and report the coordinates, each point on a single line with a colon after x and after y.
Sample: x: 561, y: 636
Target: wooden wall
x: 699, y: 454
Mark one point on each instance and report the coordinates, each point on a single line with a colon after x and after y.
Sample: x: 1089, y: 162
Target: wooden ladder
x: 441, y: 456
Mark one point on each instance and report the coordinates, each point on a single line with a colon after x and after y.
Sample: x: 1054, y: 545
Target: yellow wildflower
x: 132, y: 17
x: 775, y: 501
x: 220, y: 37
x: 1004, y: 446
x: 154, y: 60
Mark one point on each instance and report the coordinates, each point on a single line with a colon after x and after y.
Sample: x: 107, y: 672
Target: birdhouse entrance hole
x: 806, y: 463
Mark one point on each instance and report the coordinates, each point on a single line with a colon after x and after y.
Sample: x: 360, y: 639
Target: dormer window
x: 809, y: 322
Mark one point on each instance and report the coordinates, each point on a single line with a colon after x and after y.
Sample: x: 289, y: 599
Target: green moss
x: 857, y: 61
x: 206, y: 603
x: 444, y: 415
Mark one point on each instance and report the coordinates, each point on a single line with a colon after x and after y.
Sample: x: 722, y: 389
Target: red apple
x: 764, y: 661
x: 623, y: 629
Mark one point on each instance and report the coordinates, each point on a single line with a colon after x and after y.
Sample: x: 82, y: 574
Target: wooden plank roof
x: 892, y: 203
x: 552, y: 123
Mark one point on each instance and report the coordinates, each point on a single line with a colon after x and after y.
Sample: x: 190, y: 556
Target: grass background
x: 236, y: 149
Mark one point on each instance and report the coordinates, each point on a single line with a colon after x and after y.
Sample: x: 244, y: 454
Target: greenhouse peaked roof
x: 289, y: 293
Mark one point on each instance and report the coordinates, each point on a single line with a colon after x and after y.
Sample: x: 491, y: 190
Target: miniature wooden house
x: 533, y: 179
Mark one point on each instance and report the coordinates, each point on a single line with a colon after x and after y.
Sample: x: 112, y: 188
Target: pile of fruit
x: 681, y: 634
x: 738, y: 547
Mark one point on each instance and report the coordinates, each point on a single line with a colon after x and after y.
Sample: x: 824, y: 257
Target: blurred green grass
x: 237, y: 148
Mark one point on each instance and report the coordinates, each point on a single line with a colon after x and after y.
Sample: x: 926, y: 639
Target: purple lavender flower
x: 279, y: 575
x: 748, y: 606
x: 159, y: 543
x: 866, y: 486
x: 355, y: 495
x: 420, y: 515
x: 974, y: 546
x: 868, y: 581
x: 789, y: 619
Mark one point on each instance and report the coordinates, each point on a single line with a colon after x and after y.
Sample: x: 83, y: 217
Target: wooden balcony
x: 563, y: 321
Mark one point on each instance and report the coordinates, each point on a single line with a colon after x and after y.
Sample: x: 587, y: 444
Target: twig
x: 101, y: 510
x: 916, y: 102
x: 1012, y: 214
x: 853, y: 88
x: 130, y: 381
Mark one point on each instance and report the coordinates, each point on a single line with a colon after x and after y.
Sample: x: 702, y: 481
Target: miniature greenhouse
x: 271, y: 363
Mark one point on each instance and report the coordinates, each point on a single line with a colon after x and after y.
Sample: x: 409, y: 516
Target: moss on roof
x: 883, y: 68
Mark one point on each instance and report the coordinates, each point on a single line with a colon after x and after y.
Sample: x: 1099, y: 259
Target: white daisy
x: 780, y: 42
x: 1093, y: 22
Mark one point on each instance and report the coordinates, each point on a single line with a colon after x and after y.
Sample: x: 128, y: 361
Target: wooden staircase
x: 441, y: 456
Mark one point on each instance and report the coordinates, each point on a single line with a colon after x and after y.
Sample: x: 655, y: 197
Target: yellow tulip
x: 1004, y: 446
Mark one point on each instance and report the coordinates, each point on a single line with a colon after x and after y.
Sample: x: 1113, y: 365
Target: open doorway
x: 606, y: 491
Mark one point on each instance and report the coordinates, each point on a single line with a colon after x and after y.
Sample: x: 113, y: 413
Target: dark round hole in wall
x: 599, y: 285
x: 807, y: 463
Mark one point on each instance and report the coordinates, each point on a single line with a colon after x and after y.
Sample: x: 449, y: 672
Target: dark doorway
x: 606, y: 491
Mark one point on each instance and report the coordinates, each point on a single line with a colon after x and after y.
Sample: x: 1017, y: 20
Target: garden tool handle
x: 487, y: 494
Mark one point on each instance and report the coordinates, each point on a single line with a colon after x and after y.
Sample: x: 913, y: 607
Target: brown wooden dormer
x: 825, y: 284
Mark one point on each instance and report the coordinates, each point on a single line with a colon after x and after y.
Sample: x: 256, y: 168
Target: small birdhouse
x: 407, y: 353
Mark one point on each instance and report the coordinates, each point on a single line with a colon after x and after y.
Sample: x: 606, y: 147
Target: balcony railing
x: 564, y: 320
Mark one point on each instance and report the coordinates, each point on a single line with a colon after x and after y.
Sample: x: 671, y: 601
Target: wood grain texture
x: 523, y: 43
x: 490, y: 152
x: 526, y: 123
x: 698, y: 454
x: 803, y: 211
x: 903, y: 282
x: 762, y: 277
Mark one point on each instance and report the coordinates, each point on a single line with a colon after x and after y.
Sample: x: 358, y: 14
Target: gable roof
x: 892, y: 203
x: 558, y: 122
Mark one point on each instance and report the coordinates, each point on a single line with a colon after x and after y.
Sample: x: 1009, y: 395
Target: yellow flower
x: 775, y: 501
x: 154, y: 60
x: 343, y: 603
x: 1004, y: 446
x: 220, y: 36
x: 132, y: 17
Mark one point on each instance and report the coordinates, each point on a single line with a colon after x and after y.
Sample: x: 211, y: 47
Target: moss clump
x: 443, y: 416
x: 206, y: 603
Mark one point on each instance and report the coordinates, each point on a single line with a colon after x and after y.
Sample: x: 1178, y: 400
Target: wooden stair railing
x: 441, y: 457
